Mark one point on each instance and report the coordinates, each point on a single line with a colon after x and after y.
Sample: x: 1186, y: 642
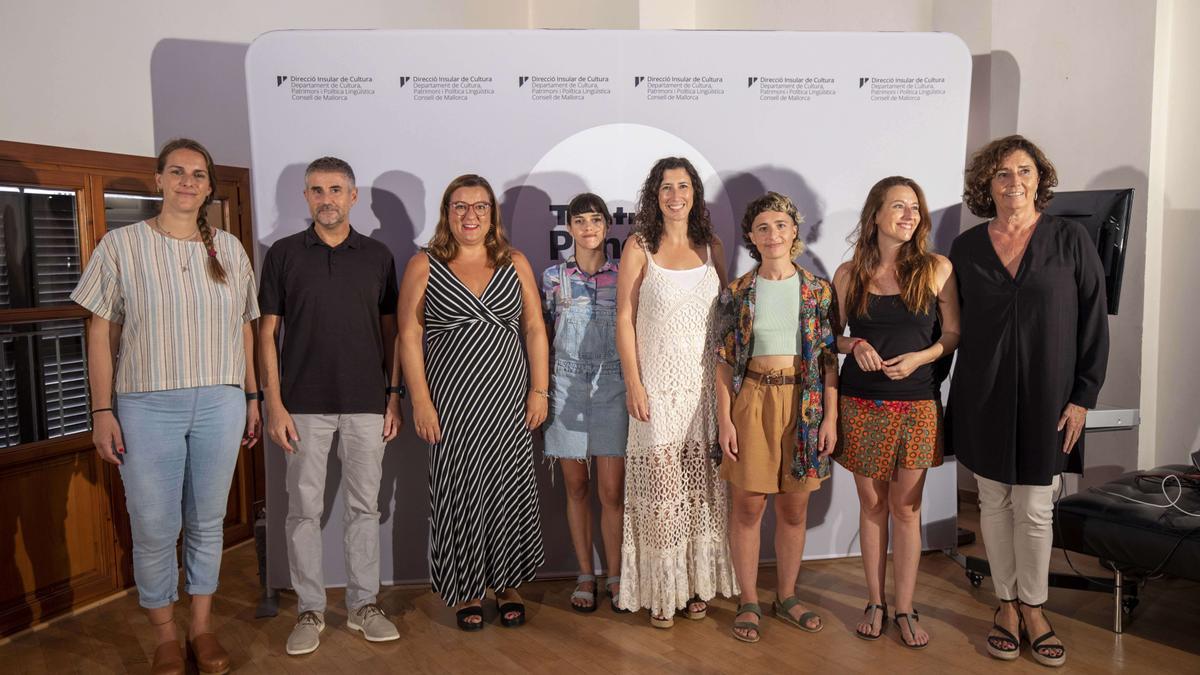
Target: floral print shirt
x: 819, y: 351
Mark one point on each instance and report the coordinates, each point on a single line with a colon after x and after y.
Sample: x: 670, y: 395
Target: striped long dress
x: 485, y: 525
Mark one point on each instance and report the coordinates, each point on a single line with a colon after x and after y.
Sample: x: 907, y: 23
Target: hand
x: 866, y: 357
x: 280, y: 427
x: 253, y: 424
x: 535, y: 410
x: 727, y: 436
x: 393, y: 418
x: 425, y: 422
x: 900, y: 367
x: 1072, y: 419
x: 106, y: 435
x: 636, y: 402
x: 827, y: 436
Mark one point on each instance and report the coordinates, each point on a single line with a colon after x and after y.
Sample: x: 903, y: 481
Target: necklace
x: 191, y: 237
x: 186, y: 261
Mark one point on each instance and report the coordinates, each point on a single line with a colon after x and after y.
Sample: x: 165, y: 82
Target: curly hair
x: 442, y: 244
x: 915, y: 265
x: 216, y: 271
x: 649, y: 215
x: 977, y: 193
x: 772, y: 201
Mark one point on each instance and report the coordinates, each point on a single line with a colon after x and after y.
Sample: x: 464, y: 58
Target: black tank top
x: 892, y: 330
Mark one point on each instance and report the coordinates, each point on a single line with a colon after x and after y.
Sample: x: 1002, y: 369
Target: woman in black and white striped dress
x: 476, y: 397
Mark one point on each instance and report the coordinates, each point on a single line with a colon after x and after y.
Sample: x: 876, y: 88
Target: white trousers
x: 1017, y: 523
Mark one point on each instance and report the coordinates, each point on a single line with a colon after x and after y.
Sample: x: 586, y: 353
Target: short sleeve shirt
x: 566, y: 284
x: 330, y: 299
x: 180, y: 328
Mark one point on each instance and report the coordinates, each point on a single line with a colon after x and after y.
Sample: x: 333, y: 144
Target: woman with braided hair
x: 169, y: 352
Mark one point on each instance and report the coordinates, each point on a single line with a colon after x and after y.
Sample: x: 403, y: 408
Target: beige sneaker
x: 373, y: 623
x: 306, y: 636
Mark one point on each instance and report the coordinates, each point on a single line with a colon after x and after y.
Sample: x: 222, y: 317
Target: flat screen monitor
x: 1105, y: 214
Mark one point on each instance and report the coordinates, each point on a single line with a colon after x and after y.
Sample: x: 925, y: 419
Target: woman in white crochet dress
x: 676, y: 553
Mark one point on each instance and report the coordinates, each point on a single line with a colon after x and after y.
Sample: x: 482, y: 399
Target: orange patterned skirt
x: 877, y: 437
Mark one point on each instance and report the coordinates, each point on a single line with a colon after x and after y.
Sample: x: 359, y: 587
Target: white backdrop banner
x: 545, y: 115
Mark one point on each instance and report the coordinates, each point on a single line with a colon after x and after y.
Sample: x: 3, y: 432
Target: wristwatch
x: 254, y: 396
x: 398, y: 389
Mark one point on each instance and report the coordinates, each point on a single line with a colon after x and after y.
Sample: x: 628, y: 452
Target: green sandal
x: 783, y: 613
x: 751, y: 608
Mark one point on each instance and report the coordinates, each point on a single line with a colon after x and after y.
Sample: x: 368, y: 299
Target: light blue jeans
x: 181, y: 447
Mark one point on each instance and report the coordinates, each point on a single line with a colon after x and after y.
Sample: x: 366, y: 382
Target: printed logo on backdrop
x: 565, y: 87
x: 444, y: 88
x: 793, y: 88
x: 912, y: 89
x: 680, y: 87
x: 327, y: 88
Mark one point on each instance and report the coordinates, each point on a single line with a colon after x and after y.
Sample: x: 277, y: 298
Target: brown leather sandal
x: 210, y: 657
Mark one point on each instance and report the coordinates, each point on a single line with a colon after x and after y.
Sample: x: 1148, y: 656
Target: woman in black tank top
x: 901, y: 305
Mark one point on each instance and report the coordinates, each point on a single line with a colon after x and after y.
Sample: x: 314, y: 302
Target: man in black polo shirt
x: 335, y: 292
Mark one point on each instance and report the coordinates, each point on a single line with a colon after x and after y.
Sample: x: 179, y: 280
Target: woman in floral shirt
x: 776, y: 405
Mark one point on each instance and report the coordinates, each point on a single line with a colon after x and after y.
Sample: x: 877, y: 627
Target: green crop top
x: 777, y: 317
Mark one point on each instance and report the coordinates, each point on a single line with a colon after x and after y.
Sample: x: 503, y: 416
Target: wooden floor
x: 1163, y: 636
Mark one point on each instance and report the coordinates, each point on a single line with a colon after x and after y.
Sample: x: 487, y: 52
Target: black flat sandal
x: 513, y: 606
x: 1004, y: 646
x: 1051, y: 656
x: 882, y: 621
x: 909, y: 619
x: 463, y: 614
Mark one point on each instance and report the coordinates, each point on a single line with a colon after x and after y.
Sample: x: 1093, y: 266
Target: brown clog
x: 209, y: 655
x: 168, y: 659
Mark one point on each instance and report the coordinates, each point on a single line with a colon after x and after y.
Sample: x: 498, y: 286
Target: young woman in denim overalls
x: 587, y: 393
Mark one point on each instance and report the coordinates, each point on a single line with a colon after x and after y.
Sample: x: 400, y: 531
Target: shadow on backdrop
x: 743, y: 187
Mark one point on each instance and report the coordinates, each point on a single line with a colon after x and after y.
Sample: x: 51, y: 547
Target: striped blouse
x: 180, y: 328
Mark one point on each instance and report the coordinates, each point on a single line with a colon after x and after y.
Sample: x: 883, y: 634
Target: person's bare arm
x: 410, y: 313
x: 103, y: 343
x: 629, y: 281
x: 253, y: 412
x: 864, y: 353
x: 393, y: 416
x: 537, y: 346
x: 718, y: 254
x: 280, y: 427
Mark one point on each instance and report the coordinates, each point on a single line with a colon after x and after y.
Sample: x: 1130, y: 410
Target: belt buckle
x: 773, y: 379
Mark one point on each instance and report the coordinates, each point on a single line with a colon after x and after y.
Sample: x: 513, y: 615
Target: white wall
x: 1178, y: 329
x: 78, y: 73
x: 1086, y: 79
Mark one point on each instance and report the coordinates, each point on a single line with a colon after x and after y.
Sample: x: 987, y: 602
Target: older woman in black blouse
x: 1031, y: 362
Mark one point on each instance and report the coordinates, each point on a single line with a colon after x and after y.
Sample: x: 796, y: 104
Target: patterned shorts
x: 877, y: 437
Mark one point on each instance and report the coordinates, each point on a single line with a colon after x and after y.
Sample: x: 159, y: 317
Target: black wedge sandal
x: 882, y: 621
x: 1005, y: 646
x: 909, y: 618
x: 1051, y: 656
x: 463, y: 614
x: 505, y: 606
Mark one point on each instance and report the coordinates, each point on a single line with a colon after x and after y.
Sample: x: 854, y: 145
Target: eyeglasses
x: 481, y: 208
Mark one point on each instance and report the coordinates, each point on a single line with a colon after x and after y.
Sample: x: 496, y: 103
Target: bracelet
x: 542, y: 392
x: 399, y: 389
x: 254, y: 396
x: 854, y: 342
x: 100, y: 410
